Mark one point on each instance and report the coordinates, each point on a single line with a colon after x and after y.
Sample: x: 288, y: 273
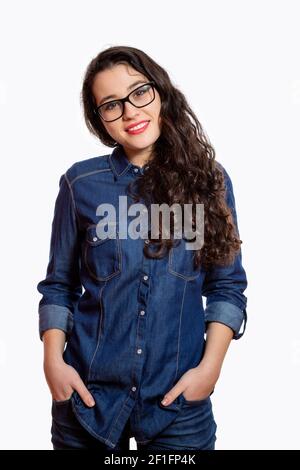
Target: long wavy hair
x: 182, y: 168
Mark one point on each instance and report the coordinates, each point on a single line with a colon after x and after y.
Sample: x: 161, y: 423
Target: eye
x: 142, y: 90
x: 110, y: 106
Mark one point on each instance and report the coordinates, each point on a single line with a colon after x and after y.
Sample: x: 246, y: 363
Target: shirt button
x: 145, y: 278
x: 135, y: 170
x: 142, y: 312
x: 133, y: 389
x: 139, y: 351
x: 95, y: 239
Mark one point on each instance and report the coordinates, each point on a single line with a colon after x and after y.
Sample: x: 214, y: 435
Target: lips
x: 131, y: 130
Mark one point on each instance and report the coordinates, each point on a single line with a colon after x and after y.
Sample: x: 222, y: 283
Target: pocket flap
x: 92, y: 236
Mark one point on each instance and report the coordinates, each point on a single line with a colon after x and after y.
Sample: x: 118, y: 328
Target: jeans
x: 193, y: 428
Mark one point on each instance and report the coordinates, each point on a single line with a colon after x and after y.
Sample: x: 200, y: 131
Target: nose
x: 129, y: 110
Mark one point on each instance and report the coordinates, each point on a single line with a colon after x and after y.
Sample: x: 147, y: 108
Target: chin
x: 141, y: 144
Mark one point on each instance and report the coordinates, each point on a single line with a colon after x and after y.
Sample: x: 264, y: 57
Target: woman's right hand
x: 63, y: 379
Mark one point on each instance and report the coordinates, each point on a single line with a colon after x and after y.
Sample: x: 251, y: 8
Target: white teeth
x: 139, y: 126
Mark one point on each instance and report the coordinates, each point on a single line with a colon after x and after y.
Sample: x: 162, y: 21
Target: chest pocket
x: 181, y: 262
x: 102, y: 257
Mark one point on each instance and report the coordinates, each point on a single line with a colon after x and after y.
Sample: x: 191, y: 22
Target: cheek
x: 157, y: 114
x: 112, y: 129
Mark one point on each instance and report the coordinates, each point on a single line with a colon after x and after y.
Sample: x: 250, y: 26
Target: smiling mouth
x: 138, y: 129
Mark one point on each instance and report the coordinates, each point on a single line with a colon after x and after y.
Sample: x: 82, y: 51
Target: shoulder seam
x: 72, y: 197
x: 87, y: 174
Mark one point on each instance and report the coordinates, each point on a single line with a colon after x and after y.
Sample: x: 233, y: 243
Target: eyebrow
x: 129, y: 88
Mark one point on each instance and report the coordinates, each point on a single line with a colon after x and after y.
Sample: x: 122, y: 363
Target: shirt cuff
x: 55, y: 316
x: 228, y: 314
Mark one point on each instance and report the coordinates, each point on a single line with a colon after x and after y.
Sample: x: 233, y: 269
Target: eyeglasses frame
x: 124, y: 100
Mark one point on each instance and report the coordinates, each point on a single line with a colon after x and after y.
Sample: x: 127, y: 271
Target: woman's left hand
x: 195, y: 384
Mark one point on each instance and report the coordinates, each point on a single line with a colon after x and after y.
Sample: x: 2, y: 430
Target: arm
x: 225, y: 307
x: 61, y: 378
x: 224, y: 314
x: 61, y: 290
x: 200, y: 381
x: 223, y: 287
x: 218, y: 339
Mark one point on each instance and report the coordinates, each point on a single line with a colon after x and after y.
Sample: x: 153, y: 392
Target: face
x: 117, y: 81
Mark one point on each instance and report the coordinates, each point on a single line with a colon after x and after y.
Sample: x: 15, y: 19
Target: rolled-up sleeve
x: 61, y: 287
x: 223, y: 286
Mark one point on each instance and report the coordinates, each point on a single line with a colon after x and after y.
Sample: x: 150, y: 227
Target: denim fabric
x: 194, y: 428
x: 134, y: 325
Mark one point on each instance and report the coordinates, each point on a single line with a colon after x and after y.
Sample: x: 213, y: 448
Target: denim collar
x: 120, y: 164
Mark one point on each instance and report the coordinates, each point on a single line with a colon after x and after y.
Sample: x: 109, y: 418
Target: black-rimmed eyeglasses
x: 139, y: 97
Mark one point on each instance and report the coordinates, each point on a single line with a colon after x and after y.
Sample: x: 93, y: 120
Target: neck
x: 138, y: 157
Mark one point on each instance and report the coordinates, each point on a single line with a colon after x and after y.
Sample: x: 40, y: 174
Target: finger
x: 85, y: 394
x: 61, y: 394
x: 171, y: 395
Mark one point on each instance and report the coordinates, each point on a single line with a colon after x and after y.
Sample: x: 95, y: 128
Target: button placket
x: 141, y: 324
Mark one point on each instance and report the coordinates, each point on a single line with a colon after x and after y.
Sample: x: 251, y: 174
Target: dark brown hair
x: 182, y: 168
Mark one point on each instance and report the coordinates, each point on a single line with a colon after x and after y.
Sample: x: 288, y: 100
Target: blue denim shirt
x: 134, y: 325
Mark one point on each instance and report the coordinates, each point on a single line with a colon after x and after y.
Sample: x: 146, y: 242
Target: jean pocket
x: 175, y: 405
x: 102, y: 257
x: 194, y: 402
x: 63, y: 402
x: 64, y: 421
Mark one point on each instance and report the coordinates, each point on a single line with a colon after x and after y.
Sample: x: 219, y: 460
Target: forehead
x: 115, y: 81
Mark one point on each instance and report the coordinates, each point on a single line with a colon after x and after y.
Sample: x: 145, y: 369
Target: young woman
x: 142, y: 355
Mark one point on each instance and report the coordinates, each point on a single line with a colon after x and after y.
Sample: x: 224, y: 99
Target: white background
x: 237, y: 62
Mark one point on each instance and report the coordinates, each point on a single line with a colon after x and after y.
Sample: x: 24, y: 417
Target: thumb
x: 85, y: 395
